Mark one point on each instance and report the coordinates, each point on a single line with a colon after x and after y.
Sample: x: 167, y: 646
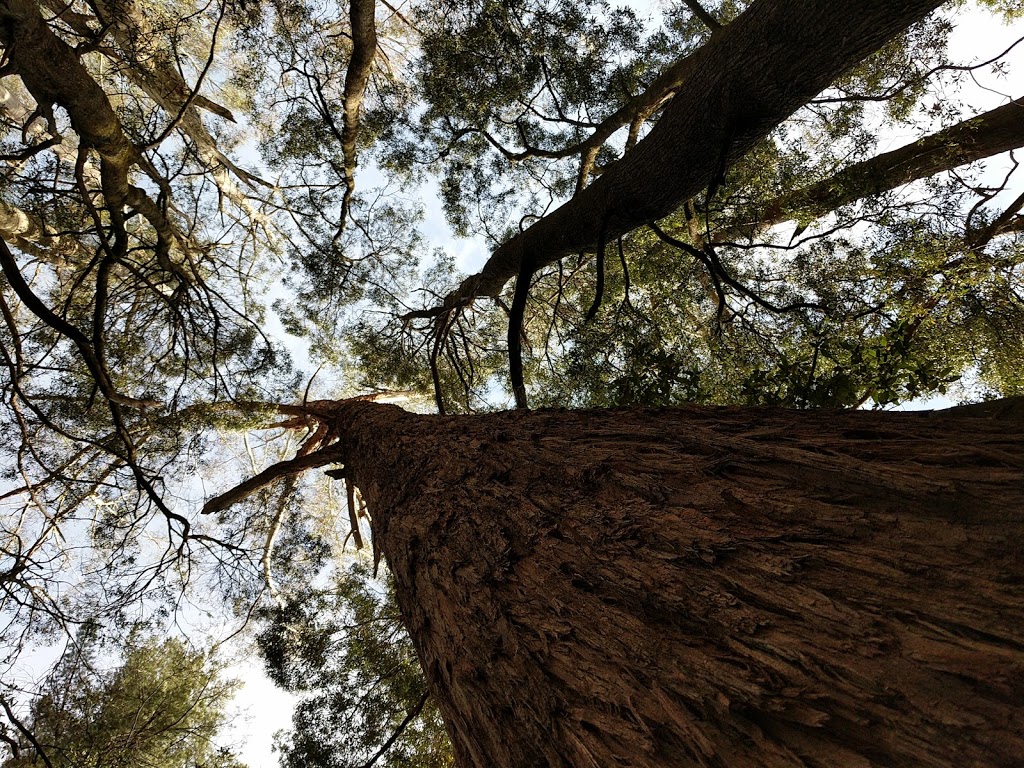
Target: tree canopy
x: 162, y: 707
x: 220, y: 219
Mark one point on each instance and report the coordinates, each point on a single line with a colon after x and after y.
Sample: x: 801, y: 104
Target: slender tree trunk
x: 364, y: 49
x: 977, y: 138
x: 708, y: 587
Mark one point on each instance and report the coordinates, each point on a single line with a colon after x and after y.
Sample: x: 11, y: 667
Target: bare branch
x: 26, y: 732
x: 413, y: 714
x: 270, y: 476
x: 353, y: 517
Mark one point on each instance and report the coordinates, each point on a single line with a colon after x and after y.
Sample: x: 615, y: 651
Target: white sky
x: 262, y: 710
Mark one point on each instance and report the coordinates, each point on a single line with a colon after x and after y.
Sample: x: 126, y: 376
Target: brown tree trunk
x: 708, y: 587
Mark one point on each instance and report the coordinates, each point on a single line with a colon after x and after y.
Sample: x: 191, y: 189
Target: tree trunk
x: 708, y: 586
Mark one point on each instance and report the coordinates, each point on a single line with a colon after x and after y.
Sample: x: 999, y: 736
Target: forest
x: 555, y: 383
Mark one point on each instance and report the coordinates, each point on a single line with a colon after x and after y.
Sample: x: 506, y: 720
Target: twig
x: 413, y: 714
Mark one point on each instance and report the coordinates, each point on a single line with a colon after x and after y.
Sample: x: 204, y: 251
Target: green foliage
x: 1010, y: 9
x: 161, y: 708
x: 345, y: 650
x: 525, y: 74
x: 897, y: 315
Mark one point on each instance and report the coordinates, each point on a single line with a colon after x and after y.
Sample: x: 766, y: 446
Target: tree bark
x: 755, y: 73
x: 364, y: 49
x: 708, y: 586
x: 29, y: 235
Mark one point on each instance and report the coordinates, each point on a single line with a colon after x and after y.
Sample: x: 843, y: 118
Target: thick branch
x: 703, y: 14
x: 28, y: 234
x: 53, y: 74
x: 151, y: 67
x: 364, y: 47
x: 269, y: 476
x: 754, y: 74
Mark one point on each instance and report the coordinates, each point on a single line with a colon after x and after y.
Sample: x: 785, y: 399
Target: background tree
x: 161, y: 707
x: 365, y: 700
x: 843, y: 128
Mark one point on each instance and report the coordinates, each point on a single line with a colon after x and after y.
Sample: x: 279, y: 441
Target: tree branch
x: 413, y: 714
x: 269, y: 476
x: 749, y: 78
x: 96, y: 366
x: 703, y: 14
x: 977, y: 138
x: 26, y: 732
x: 364, y: 47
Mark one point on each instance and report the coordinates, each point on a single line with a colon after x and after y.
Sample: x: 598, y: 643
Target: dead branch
x: 269, y: 476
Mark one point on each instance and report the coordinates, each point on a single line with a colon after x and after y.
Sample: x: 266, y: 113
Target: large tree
x: 704, y: 587
x: 647, y: 587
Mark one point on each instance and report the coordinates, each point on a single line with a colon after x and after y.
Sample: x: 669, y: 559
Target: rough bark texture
x: 708, y: 587
x: 756, y: 72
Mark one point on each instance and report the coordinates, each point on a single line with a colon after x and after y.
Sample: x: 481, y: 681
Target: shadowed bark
x: 708, y: 586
